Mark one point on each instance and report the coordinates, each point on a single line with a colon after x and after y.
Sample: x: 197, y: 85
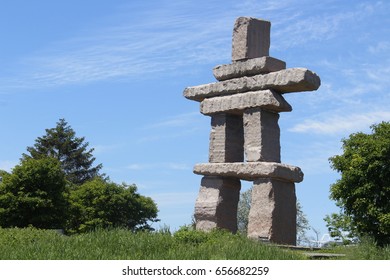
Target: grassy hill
x: 118, y: 244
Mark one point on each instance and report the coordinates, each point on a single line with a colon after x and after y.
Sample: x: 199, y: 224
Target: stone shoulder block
x: 251, y: 170
x: 266, y: 99
x: 283, y: 81
x: 250, y: 67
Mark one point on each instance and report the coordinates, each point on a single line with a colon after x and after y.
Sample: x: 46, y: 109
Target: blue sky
x: 116, y: 71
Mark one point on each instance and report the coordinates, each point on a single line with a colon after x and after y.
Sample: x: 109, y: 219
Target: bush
x: 102, y: 204
x: 34, y: 195
x: 187, y: 234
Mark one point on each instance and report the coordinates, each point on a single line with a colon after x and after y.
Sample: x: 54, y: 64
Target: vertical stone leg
x: 273, y: 211
x: 261, y: 135
x: 226, y: 138
x: 216, y: 205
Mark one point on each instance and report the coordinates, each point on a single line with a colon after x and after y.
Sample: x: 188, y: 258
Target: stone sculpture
x: 244, y: 107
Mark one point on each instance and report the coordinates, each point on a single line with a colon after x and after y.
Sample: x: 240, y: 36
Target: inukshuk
x: 244, y: 106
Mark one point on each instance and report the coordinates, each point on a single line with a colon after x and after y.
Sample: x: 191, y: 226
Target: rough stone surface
x: 250, y: 67
x: 273, y: 211
x: 283, y: 81
x: 226, y: 138
x: 251, y: 170
x: 261, y: 135
x: 235, y: 104
x: 251, y: 38
x: 244, y: 106
x: 216, y: 205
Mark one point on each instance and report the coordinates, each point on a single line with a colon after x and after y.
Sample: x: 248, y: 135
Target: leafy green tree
x: 363, y: 190
x: 341, y: 228
x: 302, y: 225
x: 102, y: 204
x: 73, y: 153
x: 244, y: 205
x: 33, y: 195
x: 2, y: 174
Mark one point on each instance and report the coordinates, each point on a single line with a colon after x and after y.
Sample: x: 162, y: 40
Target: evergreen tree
x: 73, y: 153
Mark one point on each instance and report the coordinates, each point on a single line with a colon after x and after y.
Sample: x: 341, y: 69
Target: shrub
x: 102, y: 204
x: 34, y: 195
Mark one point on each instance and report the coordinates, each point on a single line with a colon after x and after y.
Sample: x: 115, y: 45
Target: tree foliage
x: 56, y: 186
x: 363, y: 190
x: 244, y: 205
x: 102, y: 204
x: 33, y: 195
x: 340, y: 227
x: 302, y: 224
x: 2, y: 174
x: 73, y: 153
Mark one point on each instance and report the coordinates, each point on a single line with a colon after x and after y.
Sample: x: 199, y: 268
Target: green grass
x: 365, y: 250
x: 32, y: 244
x: 118, y: 244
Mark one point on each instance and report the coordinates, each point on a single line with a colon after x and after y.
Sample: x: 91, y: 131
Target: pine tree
x: 73, y: 153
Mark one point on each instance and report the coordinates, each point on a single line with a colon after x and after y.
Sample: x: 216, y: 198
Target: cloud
x: 101, y: 149
x: 179, y: 166
x: 312, y: 156
x: 180, y: 120
x: 322, y: 24
x: 341, y: 123
x: 137, y: 166
x: 379, y: 47
x: 158, y: 166
x: 181, y: 125
x: 171, y: 36
x: 162, y: 40
x: 180, y: 198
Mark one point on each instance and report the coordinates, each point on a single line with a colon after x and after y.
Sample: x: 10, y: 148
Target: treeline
x: 57, y: 186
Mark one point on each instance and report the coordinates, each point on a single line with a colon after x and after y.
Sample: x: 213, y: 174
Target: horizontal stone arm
x: 251, y: 170
x: 283, y: 81
x: 266, y: 99
x: 250, y: 67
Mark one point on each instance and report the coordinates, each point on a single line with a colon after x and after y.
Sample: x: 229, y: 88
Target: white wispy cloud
x: 100, y: 149
x: 321, y: 26
x: 164, y: 39
x: 341, y: 123
x: 379, y: 47
x: 180, y: 198
x: 159, y: 166
x: 172, y: 36
x: 312, y: 157
x: 177, y: 126
x: 179, y: 120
